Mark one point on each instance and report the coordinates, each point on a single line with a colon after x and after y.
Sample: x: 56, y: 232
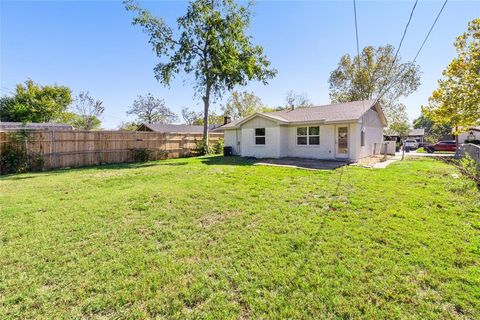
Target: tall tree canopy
x: 243, y: 104
x: 374, y: 73
x: 433, y: 131
x: 149, y: 109
x: 457, y: 99
x: 211, y: 45
x: 35, y: 103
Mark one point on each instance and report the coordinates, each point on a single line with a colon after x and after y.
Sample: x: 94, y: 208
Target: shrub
x: 16, y: 158
x: 201, y: 148
x: 218, y: 149
x: 470, y: 168
x: 141, y: 154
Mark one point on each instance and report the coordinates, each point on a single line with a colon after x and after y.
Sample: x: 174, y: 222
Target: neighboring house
x: 15, y: 126
x: 346, y: 131
x: 473, y: 133
x: 173, y: 128
x: 416, y: 134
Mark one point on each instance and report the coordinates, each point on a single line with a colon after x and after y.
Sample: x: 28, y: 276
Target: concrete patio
x: 301, y: 163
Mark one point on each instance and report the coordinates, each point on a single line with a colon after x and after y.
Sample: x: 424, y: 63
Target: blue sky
x: 91, y: 45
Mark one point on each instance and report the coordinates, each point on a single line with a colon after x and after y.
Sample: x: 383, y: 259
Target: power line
x: 430, y: 31
x: 398, y: 50
x: 419, y: 50
x: 358, y: 60
x: 356, y: 27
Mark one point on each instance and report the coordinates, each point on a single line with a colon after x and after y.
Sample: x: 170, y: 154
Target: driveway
x: 311, y: 164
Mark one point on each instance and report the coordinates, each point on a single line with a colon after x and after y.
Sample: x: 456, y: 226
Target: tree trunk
x: 206, y: 105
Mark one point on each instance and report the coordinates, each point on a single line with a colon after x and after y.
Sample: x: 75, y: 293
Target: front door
x: 342, y: 142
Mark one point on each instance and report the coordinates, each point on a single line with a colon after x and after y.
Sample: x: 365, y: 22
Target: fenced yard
x: 60, y: 149
x: 221, y: 238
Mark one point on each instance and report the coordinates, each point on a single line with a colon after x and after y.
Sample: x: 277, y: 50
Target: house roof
x: 331, y: 113
x: 183, y: 128
x: 34, y: 126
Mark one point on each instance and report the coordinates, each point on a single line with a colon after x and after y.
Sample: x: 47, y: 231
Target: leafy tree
x: 190, y: 116
x: 212, y: 46
x: 375, y: 73
x: 149, y: 109
x: 88, y: 111
x: 243, y: 104
x: 6, y: 107
x: 294, y: 100
x: 457, y: 99
x: 401, y: 127
x: 35, y: 103
x: 213, y: 118
x: 128, y: 126
x: 433, y: 131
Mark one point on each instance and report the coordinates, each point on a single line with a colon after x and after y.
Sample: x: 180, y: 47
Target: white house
x: 473, y: 133
x: 345, y: 131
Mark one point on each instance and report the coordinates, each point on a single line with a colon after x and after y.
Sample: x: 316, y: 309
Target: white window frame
x: 255, y: 137
x: 308, y: 135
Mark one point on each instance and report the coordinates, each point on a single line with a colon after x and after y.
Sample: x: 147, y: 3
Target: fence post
x: 53, y: 150
x: 99, y: 147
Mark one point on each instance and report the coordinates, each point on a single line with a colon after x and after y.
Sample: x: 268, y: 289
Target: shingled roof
x: 331, y: 113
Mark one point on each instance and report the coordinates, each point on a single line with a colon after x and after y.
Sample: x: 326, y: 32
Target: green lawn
x: 220, y: 238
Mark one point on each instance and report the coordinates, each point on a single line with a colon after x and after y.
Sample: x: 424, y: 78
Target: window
x: 260, y: 136
x: 308, y: 136
x: 362, y: 138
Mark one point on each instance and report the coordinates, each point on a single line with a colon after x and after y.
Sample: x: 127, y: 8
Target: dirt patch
x: 212, y: 219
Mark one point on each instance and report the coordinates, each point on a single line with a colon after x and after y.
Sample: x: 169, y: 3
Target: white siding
x: 271, y: 149
x: 373, y: 133
x: 281, y: 140
x: 323, y: 151
x: 232, y: 138
x: 462, y: 137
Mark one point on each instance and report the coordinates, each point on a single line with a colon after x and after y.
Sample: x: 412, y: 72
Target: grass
x: 422, y: 150
x: 219, y: 238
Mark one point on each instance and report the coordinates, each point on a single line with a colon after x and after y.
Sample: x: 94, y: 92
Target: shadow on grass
x: 229, y: 161
x: 19, y: 176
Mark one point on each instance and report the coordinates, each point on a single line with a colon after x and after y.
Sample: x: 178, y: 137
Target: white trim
x: 307, y: 136
x: 255, y: 144
x: 349, y: 147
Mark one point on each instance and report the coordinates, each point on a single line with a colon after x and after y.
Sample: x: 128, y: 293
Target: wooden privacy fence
x: 61, y: 149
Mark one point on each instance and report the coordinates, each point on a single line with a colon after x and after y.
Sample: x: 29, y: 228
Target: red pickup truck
x: 442, y: 146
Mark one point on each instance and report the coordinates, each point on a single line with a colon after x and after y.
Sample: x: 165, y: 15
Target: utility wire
x: 430, y: 31
x: 419, y: 50
x: 356, y: 27
x: 358, y: 59
x: 398, y: 50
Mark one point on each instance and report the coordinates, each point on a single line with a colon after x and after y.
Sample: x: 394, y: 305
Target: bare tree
x: 88, y: 110
x: 149, y: 109
x: 294, y: 100
x: 190, y: 116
